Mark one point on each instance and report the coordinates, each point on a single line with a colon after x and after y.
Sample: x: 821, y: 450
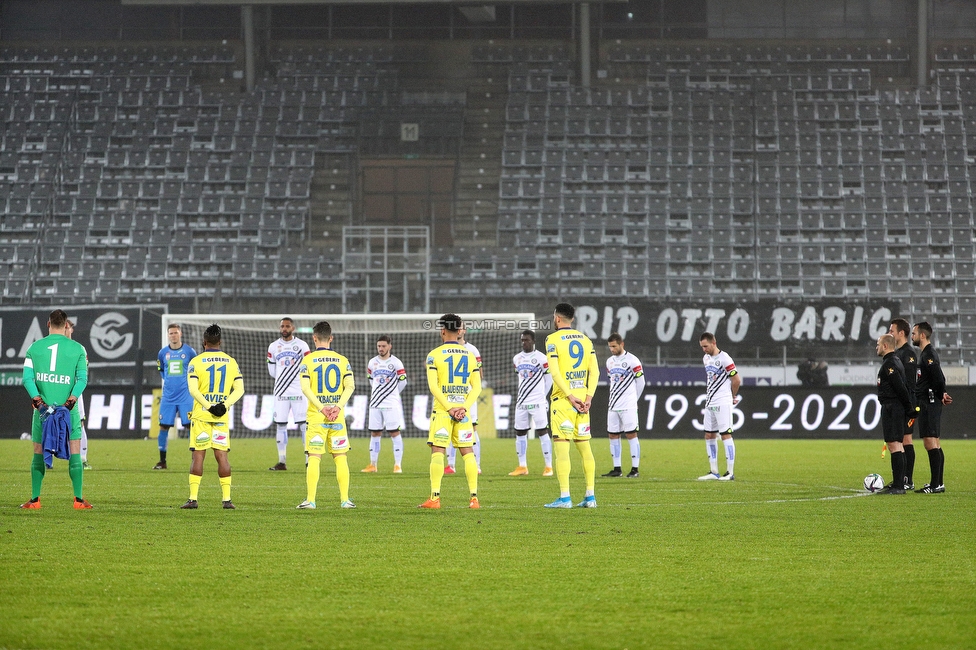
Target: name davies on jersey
x: 51, y: 378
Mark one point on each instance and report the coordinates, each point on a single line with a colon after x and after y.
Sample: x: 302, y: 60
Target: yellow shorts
x: 444, y: 430
x: 209, y: 435
x: 328, y: 437
x: 566, y: 423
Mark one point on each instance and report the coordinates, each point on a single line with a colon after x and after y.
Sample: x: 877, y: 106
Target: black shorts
x: 893, y: 422
x: 930, y: 419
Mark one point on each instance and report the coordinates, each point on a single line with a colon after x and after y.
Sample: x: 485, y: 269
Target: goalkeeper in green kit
x: 55, y: 374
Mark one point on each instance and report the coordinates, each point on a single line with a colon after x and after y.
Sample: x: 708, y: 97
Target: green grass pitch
x: 787, y: 556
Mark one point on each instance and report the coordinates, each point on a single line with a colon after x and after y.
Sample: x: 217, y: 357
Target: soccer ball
x: 873, y: 482
x: 25, y: 436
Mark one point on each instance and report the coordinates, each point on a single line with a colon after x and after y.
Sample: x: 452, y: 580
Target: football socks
x: 897, y: 469
x: 729, y: 455
x: 471, y: 472
x: 615, y: 451
x: 563, y: 467
x: 342, y: 476
x: 77, y: 473
x: 194, y: 486
x: 634, y: 452
x: 224, y: 488
x: 163, y: 442
x: 546, y: 441
x: 711, y: 448
x: 477, y: 450
x: 451, y: 456
x: 521, y: 448
x: 397, y: 449
x: 909, y: 463
x: 312, y: 477
x: 589, y: 464
x: 436, y: 473
x: 281, y: 439
x: 37, y: 475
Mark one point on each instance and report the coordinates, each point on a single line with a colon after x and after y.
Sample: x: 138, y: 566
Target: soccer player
x: 215, y: 382
x: 387, y: 379
x: 69, y: 332
x: 902, y: 331
x: 472, y: 413
x: 575, y: 373
x: 930, y: 397
x: 172, y: 362
x: 896, y: 410
x: 454, y: 383
x: 626, y: 386
x: 327, y: 381
x: 55, y: 374
x: 284, y: 359
x: 722, y: 393
x: 534, y: 385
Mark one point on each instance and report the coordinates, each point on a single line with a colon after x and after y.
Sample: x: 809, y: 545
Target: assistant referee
x: 930, y: 396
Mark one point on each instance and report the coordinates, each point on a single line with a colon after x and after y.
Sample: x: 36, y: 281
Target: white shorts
x: 718, y: 419
x: 622, y: 421
x: 389, y: 419
x: 531, y: 416
x: 297, y: 405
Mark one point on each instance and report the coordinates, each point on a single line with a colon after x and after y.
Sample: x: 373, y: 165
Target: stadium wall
x: 844, y: 413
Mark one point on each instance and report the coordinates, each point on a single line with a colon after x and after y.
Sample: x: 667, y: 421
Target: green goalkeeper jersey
x: 55, y: 368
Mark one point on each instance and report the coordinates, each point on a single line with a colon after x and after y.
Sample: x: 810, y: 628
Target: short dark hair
x: 322, y: 330
x: 902, y: 326
x: 565, y: 310
x: 385, y: 338
x: 924, y: 328
x: 289, y: 319
x: 450, y: 322
x: 615, y: 338
x: 529, y: 333
x: 706, y: 336
x: 212, y: 335
x: 57, y: 318
x: 174, y: 326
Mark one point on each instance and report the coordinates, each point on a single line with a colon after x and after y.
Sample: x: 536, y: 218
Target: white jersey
x: 284, y: 360
x: 387, y: 378
x: 626, y: 381
x: 534, y: 378
x: 719, y: 371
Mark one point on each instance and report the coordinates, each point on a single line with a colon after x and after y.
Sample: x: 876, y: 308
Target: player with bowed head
x: 284, y: 358
x: 902, y: 331
x: 472, y: 412
x: 172, y: 362
x: 626, y: 378
x: 722, y: 393
x: 215, y: 382
x: 56, y: 374
x: 896, y: 410
x: 930, y: 397
x: 387, y: 379
x: 575, y: 374
x: 454, y: 383
x: 534, y: 384
x: 327, y: 381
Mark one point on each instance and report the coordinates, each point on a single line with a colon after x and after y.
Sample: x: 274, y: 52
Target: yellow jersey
x: 327, y: 380
x: 572, y: 363
x: 453, y: 377
x: 213, y: 376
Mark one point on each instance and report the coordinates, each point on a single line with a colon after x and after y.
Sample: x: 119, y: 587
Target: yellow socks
x: 194, y: 486
x: 471, y: 472
x: 563, y: 465
x: 437, y: 473
x: 342, y: 476
x: 312, y: 477
x: 225, y: 488
x: 589, y: 464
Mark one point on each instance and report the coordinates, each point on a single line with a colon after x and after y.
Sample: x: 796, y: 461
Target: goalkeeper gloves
x: 70, y: 402
x: 37, y: 403
x: 218, y: 410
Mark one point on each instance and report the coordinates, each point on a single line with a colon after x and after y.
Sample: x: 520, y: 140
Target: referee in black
x: 902, y: 331
x: 896, y: 409
x: 930, y: 396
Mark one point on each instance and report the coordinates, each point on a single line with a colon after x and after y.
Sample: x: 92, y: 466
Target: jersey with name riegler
x: 532, y: 368
x: 386, y: 379
x: 622, y: 372
x: 172, y: 366
x: 719, y: 370
x: 284, y: 361
x: 58, y: 364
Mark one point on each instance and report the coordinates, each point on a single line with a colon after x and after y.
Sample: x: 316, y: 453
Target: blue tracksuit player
x: 172, y: 363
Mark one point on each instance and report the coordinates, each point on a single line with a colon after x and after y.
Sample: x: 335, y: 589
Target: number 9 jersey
x: 212, y: 377
x: 572, y: 363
